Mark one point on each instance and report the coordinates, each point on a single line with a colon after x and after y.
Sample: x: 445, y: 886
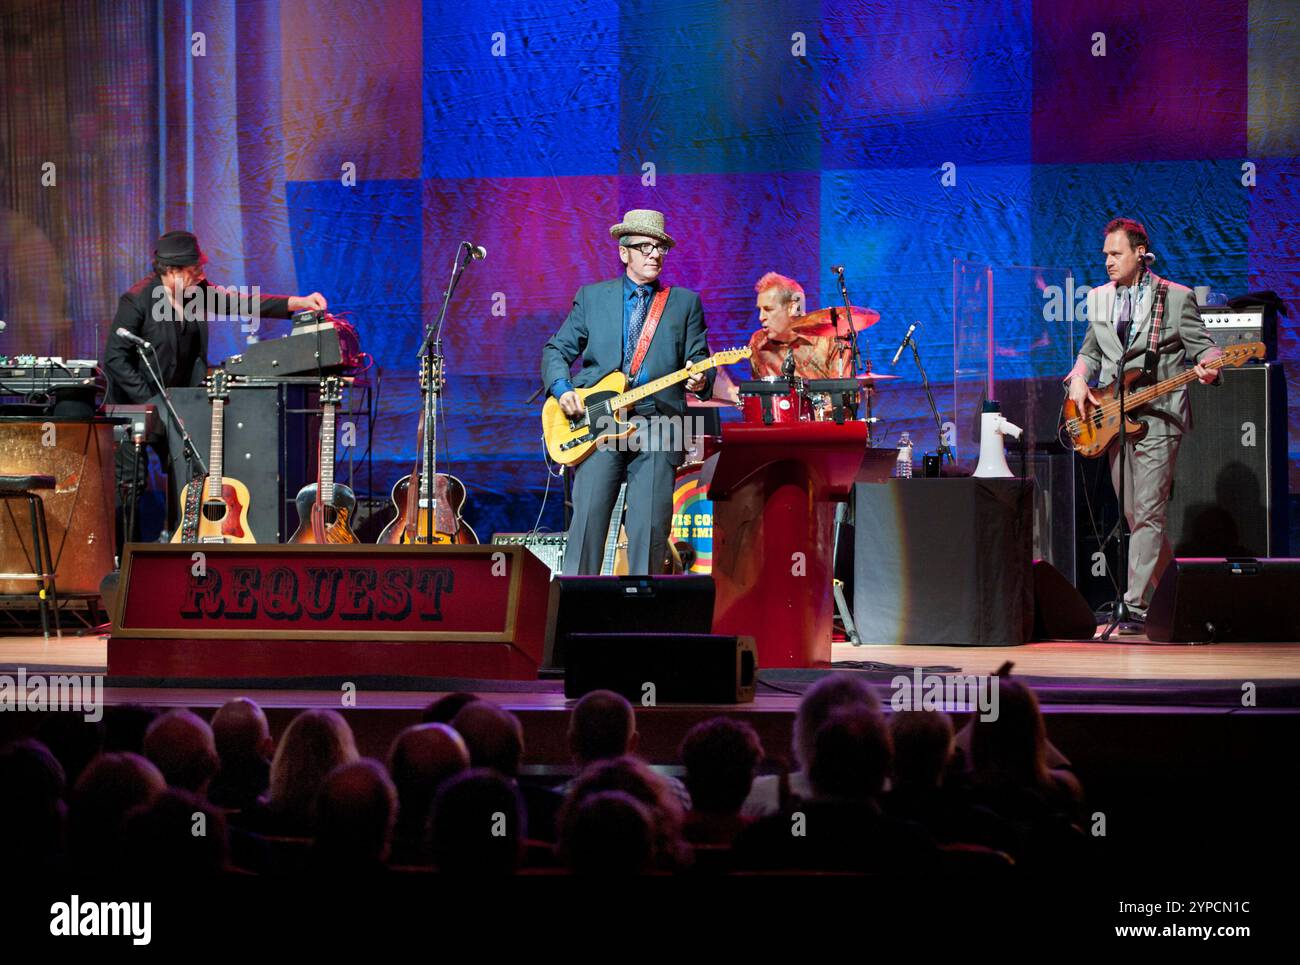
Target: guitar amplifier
x: 547, y: 547
x: 1249, y: 323
x: 328, y: 347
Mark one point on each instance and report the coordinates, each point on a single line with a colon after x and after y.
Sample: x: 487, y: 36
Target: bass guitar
x: 1091, y: 433
x: 571, y: 439
x: 214, y: 508
x: 425, y: 492
x: 325, y: 507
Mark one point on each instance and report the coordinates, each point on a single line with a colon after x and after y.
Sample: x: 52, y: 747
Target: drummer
x: 780, y: 304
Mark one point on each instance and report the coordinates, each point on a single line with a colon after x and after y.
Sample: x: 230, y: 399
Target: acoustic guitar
x: 214, y: 508
x: 325, y: 507
x: 1091, y: 433
x: 571, y: 439
x: 425, y: 492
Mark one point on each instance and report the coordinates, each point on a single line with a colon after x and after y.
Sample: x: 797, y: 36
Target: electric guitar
x: 1091, y: 433
x: 422, y: 493
x: 214, y: 508
x: 324, y: 507
x: 571, y: 439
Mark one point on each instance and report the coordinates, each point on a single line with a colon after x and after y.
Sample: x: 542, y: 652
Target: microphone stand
x: 943, y: 449
x: 431, y: 353
x: 855, y: 350
x: 191, y: 452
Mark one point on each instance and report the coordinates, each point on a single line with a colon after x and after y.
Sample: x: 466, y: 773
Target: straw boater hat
x: 641, y: 222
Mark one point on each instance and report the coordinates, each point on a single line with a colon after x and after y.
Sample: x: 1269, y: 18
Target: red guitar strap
x: 648, y: 331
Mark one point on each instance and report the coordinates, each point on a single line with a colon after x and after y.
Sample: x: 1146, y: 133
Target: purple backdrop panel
x: 1171, y: 84
x: 912, y: 84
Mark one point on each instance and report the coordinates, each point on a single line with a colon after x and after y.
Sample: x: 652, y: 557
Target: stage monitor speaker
x: 1227, y: 600
x: 1229, y: 496
x: 620, y: 604
x: 1060, y: 611
x: 663, y: 668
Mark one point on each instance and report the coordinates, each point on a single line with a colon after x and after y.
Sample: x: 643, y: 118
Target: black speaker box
x: 625, y: 604
x: 1060, y: 611
x: 268, y: 447
x: 1229, y: 496
x: 1227, y: 600
x: 662, y: 668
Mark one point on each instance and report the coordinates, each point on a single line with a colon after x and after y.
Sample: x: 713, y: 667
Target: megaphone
x: 993, y: 455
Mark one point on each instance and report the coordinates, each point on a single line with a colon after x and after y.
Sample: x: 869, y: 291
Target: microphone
x: 837, y: 269
x: 477, y: 252
x: 2, y: 325
x: 902, y: 345
x: 134, y: 339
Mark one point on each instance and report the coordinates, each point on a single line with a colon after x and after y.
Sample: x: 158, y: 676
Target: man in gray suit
x: 604, y: 327
x: 1120, y: 316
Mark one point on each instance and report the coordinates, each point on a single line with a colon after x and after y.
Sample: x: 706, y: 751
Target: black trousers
x: 648, y: 462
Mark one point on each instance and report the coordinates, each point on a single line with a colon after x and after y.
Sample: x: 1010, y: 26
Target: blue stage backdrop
x: 348, y: 147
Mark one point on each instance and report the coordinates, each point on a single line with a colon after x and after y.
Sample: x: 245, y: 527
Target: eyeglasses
x: 646, y: 247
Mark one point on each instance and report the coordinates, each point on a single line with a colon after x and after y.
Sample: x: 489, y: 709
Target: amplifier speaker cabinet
x: 1229, y: 495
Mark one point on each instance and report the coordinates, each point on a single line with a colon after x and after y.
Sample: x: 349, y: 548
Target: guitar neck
x: 326, y: 488
x: 634, y: 396
x: 1143, y: 396
x: 217, y: 449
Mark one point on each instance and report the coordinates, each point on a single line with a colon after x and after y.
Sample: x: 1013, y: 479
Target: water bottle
x: 903, y: 468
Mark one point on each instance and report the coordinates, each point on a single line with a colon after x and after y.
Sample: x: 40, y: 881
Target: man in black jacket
x: 169, y: 309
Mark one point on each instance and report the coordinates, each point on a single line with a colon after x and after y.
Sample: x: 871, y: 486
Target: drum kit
x: 790, y: 399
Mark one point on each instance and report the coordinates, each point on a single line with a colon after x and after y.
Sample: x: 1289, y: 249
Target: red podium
x: 773, y: 490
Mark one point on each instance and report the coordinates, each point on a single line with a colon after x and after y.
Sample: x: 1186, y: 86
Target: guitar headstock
x: 728, y: 356
x: 425, y: 381
x: 219, y: 384
x: 1243, y: 352
x: 331, y: 391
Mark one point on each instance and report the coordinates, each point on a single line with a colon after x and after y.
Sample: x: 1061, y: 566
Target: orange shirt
x: 815, y: 357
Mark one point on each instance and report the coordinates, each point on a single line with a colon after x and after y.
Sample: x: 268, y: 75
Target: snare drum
x: 773, y: 400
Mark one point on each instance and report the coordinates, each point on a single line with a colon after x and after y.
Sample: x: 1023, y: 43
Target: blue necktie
x: 634, y: 326
x: 1124, y: 317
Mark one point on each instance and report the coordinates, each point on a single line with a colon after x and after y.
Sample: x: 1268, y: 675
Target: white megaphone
x: 993, y: 456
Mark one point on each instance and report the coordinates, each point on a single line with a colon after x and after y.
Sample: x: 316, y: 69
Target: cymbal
x: 830, y: 321
x: 874, y: 377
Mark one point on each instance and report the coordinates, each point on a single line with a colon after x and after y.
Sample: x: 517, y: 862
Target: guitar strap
x: 1157, y: 328
x: 648, y: 331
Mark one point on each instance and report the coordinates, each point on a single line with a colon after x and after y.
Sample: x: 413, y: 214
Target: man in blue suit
x: 604, y: 327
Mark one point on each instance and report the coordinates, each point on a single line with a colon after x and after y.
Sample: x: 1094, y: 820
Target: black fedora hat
x: 179, y: 249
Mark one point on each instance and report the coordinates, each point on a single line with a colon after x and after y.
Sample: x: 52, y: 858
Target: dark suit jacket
x: 129, y: 384
x: 594, y: 330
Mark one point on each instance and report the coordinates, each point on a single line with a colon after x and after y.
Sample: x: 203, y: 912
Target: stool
x: 26, y: 487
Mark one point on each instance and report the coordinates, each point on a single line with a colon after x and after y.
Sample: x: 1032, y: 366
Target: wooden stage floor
x: 1124, y: 658
x: 1096, y: 695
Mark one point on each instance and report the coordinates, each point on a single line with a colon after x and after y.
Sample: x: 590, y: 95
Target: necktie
x: 634, y: 326
x: 1124, y: 316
